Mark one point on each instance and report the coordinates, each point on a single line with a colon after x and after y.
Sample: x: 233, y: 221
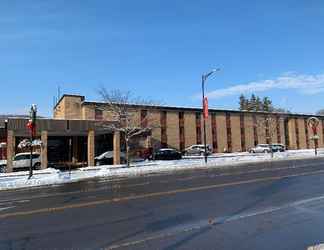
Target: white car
x: 22, y: 161
x: 198, y: 149
x: 107, y: 158
x: 261, y: 148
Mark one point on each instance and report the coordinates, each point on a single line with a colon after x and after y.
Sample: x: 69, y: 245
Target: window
x: 181, y: 131
x: 198, y: 128
x: 144, y: 122
x: 214, y: 132
x: 242, y: 128
x: 98, y: 114
x: 229, y: 132
x: 164, y: 137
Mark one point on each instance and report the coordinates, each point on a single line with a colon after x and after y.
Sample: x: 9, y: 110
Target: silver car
x: 198, y: 149
x: 261, y: 148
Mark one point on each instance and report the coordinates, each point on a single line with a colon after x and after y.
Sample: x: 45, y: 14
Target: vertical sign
x: 205, y: 108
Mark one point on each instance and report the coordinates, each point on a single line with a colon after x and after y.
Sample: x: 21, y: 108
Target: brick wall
x: 221, y: 132
x: 173, y: 130
x: 236, y: 132
x: 190, y: 128
x: 249, y: 131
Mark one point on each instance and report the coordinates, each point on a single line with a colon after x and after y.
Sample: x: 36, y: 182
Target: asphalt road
x: 278, y: 205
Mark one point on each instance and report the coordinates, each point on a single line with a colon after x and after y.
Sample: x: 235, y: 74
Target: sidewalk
x: 317, y: 247
x: 55, y: 177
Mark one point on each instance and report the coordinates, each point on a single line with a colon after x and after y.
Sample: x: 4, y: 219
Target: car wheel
x: 37, y: 166
x: 2, y: 169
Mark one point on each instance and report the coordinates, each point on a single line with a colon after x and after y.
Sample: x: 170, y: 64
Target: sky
x: 159, y: 50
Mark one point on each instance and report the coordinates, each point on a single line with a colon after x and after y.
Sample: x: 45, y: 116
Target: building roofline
x: 196, y: 109
x: 68, y: 95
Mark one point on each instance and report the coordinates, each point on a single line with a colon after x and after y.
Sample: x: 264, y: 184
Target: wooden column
x: 10, y: 150
x: 116, y: 147
x: 44, y: 159
x: 91, y: 148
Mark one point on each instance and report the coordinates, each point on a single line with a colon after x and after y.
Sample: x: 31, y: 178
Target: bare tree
x: 268, y: 128
x: 123, y: 110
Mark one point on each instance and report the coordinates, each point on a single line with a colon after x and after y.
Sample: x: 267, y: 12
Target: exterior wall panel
x: 249, y: 133
x: 301, y: 134
x: 209, y: 135
x: 154, y: 121
x: 221, y: 132
x: 190, y: 128
x: 173, y: 129
x: 261, y: 129
x: 292, y: 134
x: 319, y: 133
x: 88, y: 113
x: 236, y: 133
x: 282, y: 130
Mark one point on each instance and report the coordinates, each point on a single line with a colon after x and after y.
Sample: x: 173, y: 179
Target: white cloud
x: 304, y: 84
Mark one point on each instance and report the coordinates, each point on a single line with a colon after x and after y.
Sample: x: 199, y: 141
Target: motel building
x: 79, y: 131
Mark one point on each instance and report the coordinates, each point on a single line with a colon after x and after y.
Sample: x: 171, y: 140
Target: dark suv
x: 167, y: 154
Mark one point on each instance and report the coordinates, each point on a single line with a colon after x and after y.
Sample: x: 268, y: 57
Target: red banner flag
x: 205, y: 108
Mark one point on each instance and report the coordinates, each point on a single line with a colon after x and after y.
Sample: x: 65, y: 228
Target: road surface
x: 278, y: 205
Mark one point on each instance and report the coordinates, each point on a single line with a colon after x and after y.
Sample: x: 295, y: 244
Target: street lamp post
x: 32, y: 126
x: 203, y: 80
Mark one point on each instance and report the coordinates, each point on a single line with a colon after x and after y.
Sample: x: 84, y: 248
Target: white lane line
x: 168, y: 181
x: 6, y: 208
x: 13, y: 201
x: 217, y: 220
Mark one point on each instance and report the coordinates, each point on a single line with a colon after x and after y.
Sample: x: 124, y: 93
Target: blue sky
x: 159, y: 49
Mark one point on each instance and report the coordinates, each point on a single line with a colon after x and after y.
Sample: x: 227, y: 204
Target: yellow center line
x: 151, y: 195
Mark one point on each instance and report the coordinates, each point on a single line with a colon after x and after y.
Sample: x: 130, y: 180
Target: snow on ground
x: 52, y: 176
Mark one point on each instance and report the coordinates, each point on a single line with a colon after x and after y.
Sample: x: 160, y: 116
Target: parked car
x: 167, y: 154
x: 198, y: 149
x: 107, y: 158
x: 3, y: 164
x: 277, y: 147
x: 22, y: 161
x: 261, y: 148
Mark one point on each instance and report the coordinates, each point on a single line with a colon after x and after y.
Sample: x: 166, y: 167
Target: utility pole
x: 205, y: 107
x: 32, y: 127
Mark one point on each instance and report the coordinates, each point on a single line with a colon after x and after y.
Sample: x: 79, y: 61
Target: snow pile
x: 52, y: 176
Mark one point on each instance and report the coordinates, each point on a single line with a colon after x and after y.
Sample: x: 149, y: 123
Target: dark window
x: 255, y: 130
x: 278, y: 129
x: 242, y: 127
x: 268, y: 139
x: 286, y: 128
x: 198, y: 128
x: 181, y: 131
x: 144, y: 121
x: 98, y: 114
x: 214, y: 132
x: 306, y: 132
x: 297, y: 133
x: 164, y: 137
x: 323, y: 131
x: 229, y: 132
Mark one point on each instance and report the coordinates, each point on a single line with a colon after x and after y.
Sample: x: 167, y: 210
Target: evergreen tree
x: 267, y: 104
x: 252, y: 104
x: 258, y: 104
x: 243, y: 102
